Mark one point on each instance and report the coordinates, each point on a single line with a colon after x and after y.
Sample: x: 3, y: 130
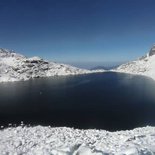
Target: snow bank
x: 68, y: 141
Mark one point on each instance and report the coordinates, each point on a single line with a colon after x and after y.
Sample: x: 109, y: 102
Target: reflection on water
x: 110, y: 101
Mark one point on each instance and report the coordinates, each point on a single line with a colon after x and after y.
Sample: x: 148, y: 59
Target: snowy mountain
x: 143, y: 66
x: 15, y: 67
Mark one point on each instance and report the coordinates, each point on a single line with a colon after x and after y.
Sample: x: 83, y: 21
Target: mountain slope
x: 15, y: 67
x: 143, y: 66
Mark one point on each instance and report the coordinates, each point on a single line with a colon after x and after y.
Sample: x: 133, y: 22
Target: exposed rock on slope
x: 15, y: 67
x: 152, y: 51
x: 143, y: 66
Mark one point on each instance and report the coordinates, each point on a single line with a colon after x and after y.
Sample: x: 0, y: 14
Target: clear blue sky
x: 78, y: 30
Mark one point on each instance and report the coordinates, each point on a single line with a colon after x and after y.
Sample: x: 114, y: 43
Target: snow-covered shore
x: 16, y: 67
x: 41, y: 140
x: 143, y: 66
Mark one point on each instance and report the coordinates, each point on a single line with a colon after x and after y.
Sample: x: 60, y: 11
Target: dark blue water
x: 111, y: 101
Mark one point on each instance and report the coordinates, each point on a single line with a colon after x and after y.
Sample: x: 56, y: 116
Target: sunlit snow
x: 68, y: 141
x: 143, y: 66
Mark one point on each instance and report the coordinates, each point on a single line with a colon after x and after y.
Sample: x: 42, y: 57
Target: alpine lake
x: 110, y: 101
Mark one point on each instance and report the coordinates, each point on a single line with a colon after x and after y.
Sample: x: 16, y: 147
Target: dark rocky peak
x: 152, y: 51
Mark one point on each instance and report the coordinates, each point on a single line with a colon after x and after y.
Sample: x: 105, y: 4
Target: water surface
x: 111, y: 101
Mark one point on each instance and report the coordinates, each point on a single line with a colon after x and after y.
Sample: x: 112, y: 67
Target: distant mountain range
x: 105, y: 67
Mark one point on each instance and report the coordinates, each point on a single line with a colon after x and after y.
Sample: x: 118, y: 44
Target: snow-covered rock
x: 68, y: 141
x: 16, y: 67
x: 143, y: 66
